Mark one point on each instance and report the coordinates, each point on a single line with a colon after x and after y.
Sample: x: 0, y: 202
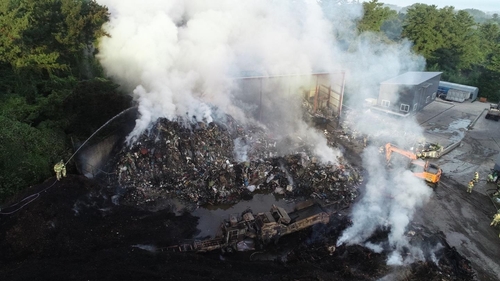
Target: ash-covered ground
x: 82, y: 229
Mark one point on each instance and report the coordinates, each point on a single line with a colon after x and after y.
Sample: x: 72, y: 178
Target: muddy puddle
x: 456, y: 129
x: 210, y: 217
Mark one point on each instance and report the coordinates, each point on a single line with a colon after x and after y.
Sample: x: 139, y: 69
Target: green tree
x: 489, y: 84
x: 489, y: 36
x: 464, y: 38
x: 443, y: 36
x: 495, y: 18
x: 48, y: 35
x: 478, y: 15
x: 91, y: 104
x: 46, y: 49
x: 393, y: 27
x: 23, y: 38
x: 420, y: 26
x: 374, y: 15
x: 489, y: 80
x: 26, y: 155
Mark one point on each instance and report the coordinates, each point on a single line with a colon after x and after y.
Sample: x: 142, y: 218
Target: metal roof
x: 466, y: 88
x: 412, y: 78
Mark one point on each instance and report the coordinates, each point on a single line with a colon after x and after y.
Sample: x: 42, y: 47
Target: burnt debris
x: 222, y: 163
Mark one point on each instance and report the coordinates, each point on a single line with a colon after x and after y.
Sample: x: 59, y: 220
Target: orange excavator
x: 422, y: 169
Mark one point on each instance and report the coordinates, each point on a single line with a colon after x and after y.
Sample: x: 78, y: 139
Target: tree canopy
x: 49, y: 83
x: 374, y: 15
x: 48, y: 35
x: 453, y: 42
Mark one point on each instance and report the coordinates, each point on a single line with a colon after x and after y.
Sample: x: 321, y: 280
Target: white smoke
x: 240, y: 150
x: 391, y: 198
x: 181, y: 58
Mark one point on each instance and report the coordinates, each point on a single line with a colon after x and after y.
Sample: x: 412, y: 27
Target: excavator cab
x: 415, y: 168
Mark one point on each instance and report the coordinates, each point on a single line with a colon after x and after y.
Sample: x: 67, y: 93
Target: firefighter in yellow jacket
x: 60, y: 170
x: 496, y: 220
x: 470, y: 187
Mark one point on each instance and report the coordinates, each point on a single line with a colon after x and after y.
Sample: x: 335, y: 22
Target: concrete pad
x: 446, y: 123
x: 464, y: 218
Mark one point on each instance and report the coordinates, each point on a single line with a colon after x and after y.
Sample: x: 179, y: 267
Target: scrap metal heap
x: 243, y: 233
x: 219, y: 163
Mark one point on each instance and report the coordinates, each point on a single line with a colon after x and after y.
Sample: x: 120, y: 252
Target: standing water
x: 211, y: 217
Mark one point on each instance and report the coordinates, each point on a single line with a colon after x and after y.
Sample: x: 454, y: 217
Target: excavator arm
x: 430, y: 172
x: 389, y: 148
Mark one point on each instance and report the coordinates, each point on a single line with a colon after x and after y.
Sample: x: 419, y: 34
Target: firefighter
x: 60, y: 170
x: 496, y: 220
x: 471, y: 185
x: 490, y: 178
x: 476, y: 177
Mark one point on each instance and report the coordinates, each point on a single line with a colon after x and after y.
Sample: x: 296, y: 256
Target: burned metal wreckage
x: 243, y: 233
x: 220, y: 163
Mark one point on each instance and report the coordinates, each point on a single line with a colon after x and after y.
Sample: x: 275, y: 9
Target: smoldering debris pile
x: 222, y: 163
x: 439, y: 261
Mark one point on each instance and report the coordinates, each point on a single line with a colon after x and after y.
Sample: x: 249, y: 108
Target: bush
x: 27, y: 155
x: 489, y: 85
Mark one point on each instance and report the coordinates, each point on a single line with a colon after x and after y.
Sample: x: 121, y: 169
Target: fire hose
x: 34, y: 196
x: 29, y: 199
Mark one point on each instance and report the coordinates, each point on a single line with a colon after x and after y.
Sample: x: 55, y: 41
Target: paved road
x: 464, y: 218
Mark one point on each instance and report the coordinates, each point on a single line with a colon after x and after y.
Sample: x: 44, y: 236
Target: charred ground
x: 75, y: 230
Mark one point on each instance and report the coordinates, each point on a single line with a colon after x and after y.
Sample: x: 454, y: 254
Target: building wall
x: 431, y: 91
x: 392, y: 96
x: 387, y: 96
x: 408, y: 99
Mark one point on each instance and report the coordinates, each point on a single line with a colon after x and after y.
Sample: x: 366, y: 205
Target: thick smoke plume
x: 181, y: 58
x: 390, y: 201
x: 392, y: 196
x: 187, y: 57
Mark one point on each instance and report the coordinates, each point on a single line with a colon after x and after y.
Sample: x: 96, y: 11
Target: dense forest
x: 53, y: 92
x: 52, y: 89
